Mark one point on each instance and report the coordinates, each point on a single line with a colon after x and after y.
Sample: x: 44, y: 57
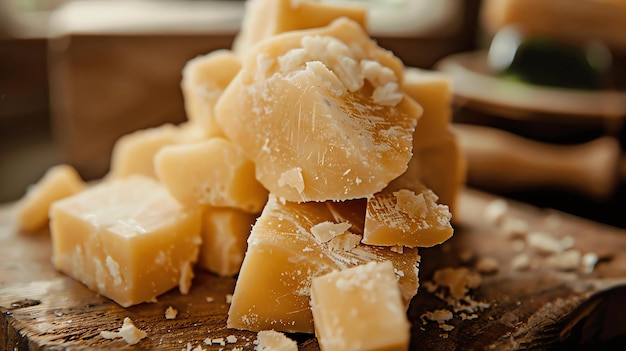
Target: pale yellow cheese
x: 213, y: 172
x: 274, y: 285
x: 127, y: 239
x: 407, y: 217
x: 271, y: 340
x: 59, y: 182
x: 265, y: 18
x: 321, y: 114
x: 360, y: 309
x: 224, y: 235
x: 204, y: 79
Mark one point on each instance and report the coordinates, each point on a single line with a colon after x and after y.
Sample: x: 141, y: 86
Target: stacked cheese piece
x: 306, y: 129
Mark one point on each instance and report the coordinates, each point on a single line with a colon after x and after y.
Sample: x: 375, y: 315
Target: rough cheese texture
x: 204, y: 79
x: 212, y: 172
x: 224, y: 235
x: 360, y: 309
x: 59, y: 182
x: 321, y: 114
x: 265, y: 18
x: 128, y: 240
x: 283, y: 256
x: 271, y: 340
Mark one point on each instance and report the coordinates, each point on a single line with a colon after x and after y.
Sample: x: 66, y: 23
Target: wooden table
x: 534, y: 307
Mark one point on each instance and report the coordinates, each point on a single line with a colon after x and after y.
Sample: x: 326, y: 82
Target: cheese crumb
x: 231, y: 339
x: 457, y: 280
x: 292, y: 178
x: 495, y: 211
x: 210, y: 299
x: 544, y: 243
x: 128, y: 332
x: 326, y: 231
x: 271, y: 340
x: 589, y: 261
x: 566, y: 261
x: 171, y: 313
x: 487, y: 265
x: 521, y: 262
x: 229, y: 298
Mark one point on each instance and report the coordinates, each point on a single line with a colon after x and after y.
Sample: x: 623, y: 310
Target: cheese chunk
x: 127, y: 239
x: 406, y: 217
x: 265, y: 18
x: 59, y: 182
x: 321, y: 114
x: 274, y: 284
x: 360, y: 308
x: 224, y: 235
x: 204, y: 79
x: 271, y: 340
x: 213, y: 172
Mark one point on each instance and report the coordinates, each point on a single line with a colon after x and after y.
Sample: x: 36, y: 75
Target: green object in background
x: 549, y: 62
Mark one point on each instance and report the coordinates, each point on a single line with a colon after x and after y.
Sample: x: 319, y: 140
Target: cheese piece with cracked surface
x: 265, y: 18
x: 284, y: 255
x: 224, y: 234
x: 407, y: 217
x: 57, y: 183
x: 204, y: 79
x: 360, y: 308
x: 212, y: 172
x: 126, y: 239
x: 318, y: 105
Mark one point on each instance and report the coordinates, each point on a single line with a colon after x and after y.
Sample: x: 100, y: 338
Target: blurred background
x: 540, y: 83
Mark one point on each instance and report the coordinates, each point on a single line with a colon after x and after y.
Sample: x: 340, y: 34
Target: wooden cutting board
x: 532, y: 304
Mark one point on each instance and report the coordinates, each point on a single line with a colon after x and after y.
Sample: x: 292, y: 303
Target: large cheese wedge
x: 321, y: 114
x: 265, y: 18
x: 204, y: 79
x: 290, y: 244
x: 213, y: 172
x: 360, y: 308
x: 59, y: 182
x: 127, y: 239
x: 224, y: 235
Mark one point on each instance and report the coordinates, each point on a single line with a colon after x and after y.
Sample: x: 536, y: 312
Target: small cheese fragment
x: 204, y: 79
x: 271, y: 340
x: 127, y: 239
x: 171, y: 313
x: 224, y: 235
x: 265, y: 18
x: 318, y: 105
x: 274, y: 284
x: 133, y: 153
x: 131, y: 334
x: 360, y: 308
x: 59, y: 182
x: 407, y: 218
x: 213, y: 172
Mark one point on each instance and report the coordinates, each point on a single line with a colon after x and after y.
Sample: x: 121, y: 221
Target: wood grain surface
x: 540, y: 306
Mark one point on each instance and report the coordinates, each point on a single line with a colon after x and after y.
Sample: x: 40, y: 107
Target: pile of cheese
x: 309, y: 166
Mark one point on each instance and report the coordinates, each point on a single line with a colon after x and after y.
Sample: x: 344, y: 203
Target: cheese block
x: 204, y: 79
x: 406, y: 217
x: 360, y: 308
x: 126, y: 239
x: 321, y: 114
x: 224, y: 235
x: 289, y: 245
x: 57, y: 183
x: 213, y: 172
x: 265, y: 18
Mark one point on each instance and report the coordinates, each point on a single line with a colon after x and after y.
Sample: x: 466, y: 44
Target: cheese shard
x: 59, y: 182
x: 271, y: 340
x: 266, y: 18
x: 204, y: 79
x: 321, y: 114
x: 127, y: 239
x: 224, y: 235
x: 274, y: 284
x: 360, y: 308
x: 406, y: 217
x: 213, y: 172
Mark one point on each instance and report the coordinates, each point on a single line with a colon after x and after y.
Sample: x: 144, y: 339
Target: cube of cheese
x: 360, y: 308
x: 313, y: 106
x: 265, y: 18
x: 407, y: 218
x: 224, y: 235
x: 127, y: 239
x: 213, y: 172
x: 59, y: 182
x: 288, y: 247
x: 204, y: 79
